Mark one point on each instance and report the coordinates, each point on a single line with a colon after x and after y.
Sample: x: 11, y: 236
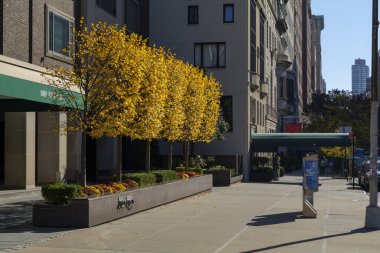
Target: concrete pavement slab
x: 241, y: 218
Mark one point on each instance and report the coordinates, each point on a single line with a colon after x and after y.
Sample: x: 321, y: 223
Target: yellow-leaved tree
x: 94, y: 93
x: 129, y: 75
x: 211, y: 113
x: 174, y: 107
x: 337, y: 152
x: 150, y: 106
x: 194, y: 106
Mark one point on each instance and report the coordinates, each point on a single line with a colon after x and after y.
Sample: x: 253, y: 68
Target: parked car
x: 364, y: 173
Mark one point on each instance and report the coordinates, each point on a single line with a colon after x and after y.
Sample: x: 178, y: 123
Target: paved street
x: 241, y: 218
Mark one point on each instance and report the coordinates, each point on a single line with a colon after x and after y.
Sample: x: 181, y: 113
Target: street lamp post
x: 372, y: 218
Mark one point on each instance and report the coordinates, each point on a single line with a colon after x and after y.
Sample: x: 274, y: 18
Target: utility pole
x: 372, y: 217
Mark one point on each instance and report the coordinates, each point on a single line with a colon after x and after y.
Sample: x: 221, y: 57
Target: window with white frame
x: 60, y: 33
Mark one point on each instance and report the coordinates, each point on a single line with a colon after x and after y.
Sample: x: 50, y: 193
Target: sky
x: 347, y: 36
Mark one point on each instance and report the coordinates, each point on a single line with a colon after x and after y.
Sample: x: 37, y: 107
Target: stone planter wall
x: 94, y: 211
x: 236, y: 179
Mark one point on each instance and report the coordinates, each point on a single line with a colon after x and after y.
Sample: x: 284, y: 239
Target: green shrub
x: 197, y: 161
x: 221, y: 167
x: 259, y: 161
x: 268, y: 169
x: 196, y: 170
x: 262, y: 174
x: 143, y: 179
x: 233, y: 172
x: 180, y: 168
x: 217, y: 167
x: 282, y: 171
x: 163, y: 176
x: 61, y: 194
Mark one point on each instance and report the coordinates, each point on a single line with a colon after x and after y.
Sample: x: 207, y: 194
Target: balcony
x: 254, y: 81
x: 264, y: 89
x: 283, y: 60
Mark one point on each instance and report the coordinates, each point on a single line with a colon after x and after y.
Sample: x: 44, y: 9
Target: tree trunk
x: 119, y: 170
x: 170, y: 156
x: 186, y: 156
x: 147, y: 157
x: 83, y: 161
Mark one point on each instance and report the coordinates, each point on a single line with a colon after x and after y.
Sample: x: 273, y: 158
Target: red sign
x: 294, y: 128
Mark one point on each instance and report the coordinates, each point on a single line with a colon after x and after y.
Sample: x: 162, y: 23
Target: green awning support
x: 271, y: 142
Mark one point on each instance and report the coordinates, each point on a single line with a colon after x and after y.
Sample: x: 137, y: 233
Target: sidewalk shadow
x: 17, y: 214
x: 17, y: 218
x: 355, y: 231
x: 271, y: 219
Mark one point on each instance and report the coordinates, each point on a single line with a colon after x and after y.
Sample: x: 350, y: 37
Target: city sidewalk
x: 252, y: 217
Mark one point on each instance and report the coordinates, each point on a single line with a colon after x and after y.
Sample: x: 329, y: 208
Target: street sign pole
x: 372, y: 219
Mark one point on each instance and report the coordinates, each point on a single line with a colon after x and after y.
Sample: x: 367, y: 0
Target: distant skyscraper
x: 323, y: 85
x: 360, y: 73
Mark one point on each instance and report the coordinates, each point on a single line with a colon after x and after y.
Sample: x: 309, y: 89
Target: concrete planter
x: 90, y: 212
x: 223, y: 177
x: 236, y: 179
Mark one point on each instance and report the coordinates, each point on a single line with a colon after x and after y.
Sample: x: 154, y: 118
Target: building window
x: 262, y: 47
x: 226, y: 110
x: 228, y: 13
x: 253, y: 36
x: 132, y: 16
x: 253, y: 111
x: 258, y: 113
x: 210, y: 55
x: 192, y: 15
x: 107, y: 5
x: 60, y: 33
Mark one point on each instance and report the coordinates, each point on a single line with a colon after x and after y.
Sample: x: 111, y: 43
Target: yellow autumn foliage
x: 210, y: 116
x: 337, y: 152
x: 152, y: 97
x: 99, y: 91
x: 194, y: 104
x: 129, y: 78
x: 174, y: 107
x: 121, y: 86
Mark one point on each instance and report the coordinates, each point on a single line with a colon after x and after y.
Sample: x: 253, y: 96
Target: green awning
x: 270, y: 142
x: 25, y: 95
